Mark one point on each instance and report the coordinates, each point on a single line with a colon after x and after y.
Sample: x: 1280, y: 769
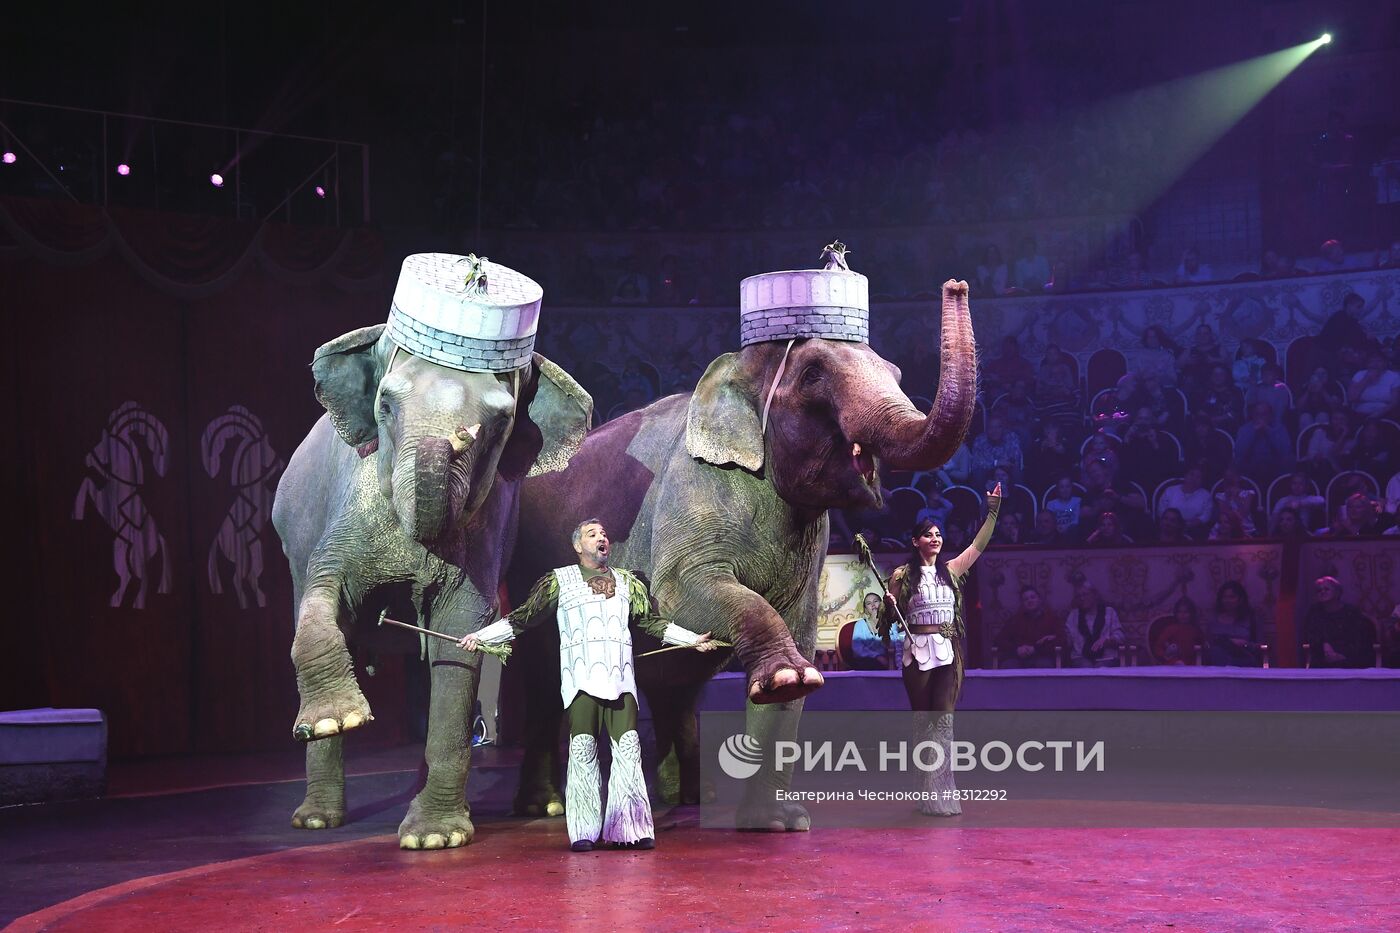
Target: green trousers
x: 589, y: 715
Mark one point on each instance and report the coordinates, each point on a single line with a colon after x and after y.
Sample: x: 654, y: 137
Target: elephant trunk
x: 906, y: 439
x: 440, y: 472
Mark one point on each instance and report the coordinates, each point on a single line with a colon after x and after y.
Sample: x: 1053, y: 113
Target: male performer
x: 594, y: 603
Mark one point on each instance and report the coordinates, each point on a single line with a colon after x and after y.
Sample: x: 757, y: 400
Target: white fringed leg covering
x: 583, y: 803
x: 938, y: 728
x: 629, y: 808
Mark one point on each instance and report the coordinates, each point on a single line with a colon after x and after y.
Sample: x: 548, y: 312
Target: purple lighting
x: 216, y: 180
x: 123, y: 169
x: 320, y: 191
x: 9, y: 157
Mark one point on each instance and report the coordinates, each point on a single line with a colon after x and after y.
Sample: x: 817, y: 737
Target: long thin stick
x: 647, y: 654
x: 870, y: 559
x: 501, y: 652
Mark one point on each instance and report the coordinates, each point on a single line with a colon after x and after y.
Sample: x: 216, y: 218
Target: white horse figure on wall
x: 253, y: 470
x: 117, y: 460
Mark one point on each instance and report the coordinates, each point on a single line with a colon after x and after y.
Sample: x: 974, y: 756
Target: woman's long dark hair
x: 1245, y: 612
x: 916, y: 560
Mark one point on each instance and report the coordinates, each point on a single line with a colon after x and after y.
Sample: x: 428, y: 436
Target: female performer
x: 928, y: 592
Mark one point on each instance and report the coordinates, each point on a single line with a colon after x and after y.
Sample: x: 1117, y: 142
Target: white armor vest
x: 595, y: 644
x: 931, y: 603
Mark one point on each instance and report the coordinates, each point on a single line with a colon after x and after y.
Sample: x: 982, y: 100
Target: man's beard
x: 601, y: 559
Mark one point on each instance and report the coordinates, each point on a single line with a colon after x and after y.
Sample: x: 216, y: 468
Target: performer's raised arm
x: 639, y: 604
x: 960, y: 565
x: 541, y: 603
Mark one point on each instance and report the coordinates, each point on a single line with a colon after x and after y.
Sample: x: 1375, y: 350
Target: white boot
x: 628, y: 818
x: 583, y: 804
x: 938, y: 785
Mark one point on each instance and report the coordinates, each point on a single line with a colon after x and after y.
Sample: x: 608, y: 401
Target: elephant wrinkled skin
x: 412, y: 477
x: 728, y: 523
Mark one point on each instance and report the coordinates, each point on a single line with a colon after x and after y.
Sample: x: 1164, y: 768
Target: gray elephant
x: 719, y: 499
x: 412, y: 478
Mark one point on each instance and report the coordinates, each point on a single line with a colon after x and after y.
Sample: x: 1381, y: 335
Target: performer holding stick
x: 593, y: 604
x: 927, y: 592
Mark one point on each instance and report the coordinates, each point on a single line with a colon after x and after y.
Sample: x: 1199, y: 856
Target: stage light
x: 216, y: 180
x: 1325, y: 38
x: 320, y: 191
x: 9, y: 158
x: 123, y: 169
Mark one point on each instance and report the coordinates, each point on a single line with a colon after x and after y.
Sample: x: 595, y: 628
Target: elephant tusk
x: 462, y: 438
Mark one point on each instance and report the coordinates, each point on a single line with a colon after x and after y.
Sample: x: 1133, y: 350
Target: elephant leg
x: 331, y: 701
x: 324, y: 806
x: 760, y: 808
x: 438, y: 817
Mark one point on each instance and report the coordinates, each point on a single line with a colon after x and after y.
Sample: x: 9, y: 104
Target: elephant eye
x: 811, y: 375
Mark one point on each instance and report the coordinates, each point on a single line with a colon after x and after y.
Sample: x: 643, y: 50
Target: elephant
x: 728, y: 524
x: 412, y: 477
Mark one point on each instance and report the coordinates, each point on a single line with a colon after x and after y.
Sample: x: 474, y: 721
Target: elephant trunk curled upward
x: 412, y: 478
x: 728, y: 522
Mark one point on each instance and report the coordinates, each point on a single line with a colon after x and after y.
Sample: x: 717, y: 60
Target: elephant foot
x: 783, y: 680
x: 544, y: 801
x: 774, y: 817
x: 330, y: 712
x: 318, y: 813
x: 422, y: 829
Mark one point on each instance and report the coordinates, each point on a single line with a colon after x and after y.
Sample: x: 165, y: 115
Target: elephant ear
x: 552, y: 416
x: 722, y: 425
x: 347, y: 375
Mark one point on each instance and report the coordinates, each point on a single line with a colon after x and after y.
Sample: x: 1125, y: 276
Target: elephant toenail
x: 409, y: 842
x: 327, y: 727
x: 352, y: 720
x: 302, y: 731
x: 434, y: 841
x: 456, y: 839
x: 315, y: 822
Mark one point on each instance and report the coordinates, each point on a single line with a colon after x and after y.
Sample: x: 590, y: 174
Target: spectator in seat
x: 1317, y: 399
x: 1146, y: 456
x: 1359, y: 516
x: 1374, y: 392
x: 1289, y: 526
x: 1157, y: 356
x: 1191, y: 269
x: 998, y: 447
x: 868, y: 650
x: 1065, y: 505
x: 1018, y: 411
x: 1342, y: 331
x: 1271, y: 390
x: 1374, y: 451
x: 1337, y: 635
x: 993, y: 277
x: 1192, y: 500
x: 1232, y: 636
x: 1046, y: 530
x: 1220, y: 400
x: 957, y: 471
x: 1050, y: 454
x: 1262, y: 447
x: 1031, y: 269
x: 937, y: 509
x: 1392, y: 495
x: 1057, y: 390
x: 1092, y: 630
x: 1329, y: 448
x: 1164, y: 412
x: 1206, y: 447
x: 1109, y: 532
x: 1171, y: 528
x: 1195, y: 363
x: 1134, y: 274
x: 1008, y: 530
x: 1249, y: 363
x: 1234, y: 508
x: 1030, y: 637
x: 1307, y: 506
x: 998, y: 375
x: 1182, y: 638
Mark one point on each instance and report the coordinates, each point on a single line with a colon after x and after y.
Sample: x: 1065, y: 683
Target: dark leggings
x: 936, y: 690
x: 589, y: 715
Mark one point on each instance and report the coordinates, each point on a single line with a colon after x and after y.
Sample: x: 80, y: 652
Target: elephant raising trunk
x: 904, y: 437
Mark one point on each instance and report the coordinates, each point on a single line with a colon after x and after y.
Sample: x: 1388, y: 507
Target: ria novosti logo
x: 740, y: 756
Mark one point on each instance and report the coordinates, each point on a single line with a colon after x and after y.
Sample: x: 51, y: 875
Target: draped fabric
x: 159, y: 384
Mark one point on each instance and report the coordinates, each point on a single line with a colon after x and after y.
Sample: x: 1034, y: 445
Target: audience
x: 870, y: 652
x: 1032, y: 635
x: 1092, y: 629
x: 1262, y: 446
x: 1232, y: 635
x: 1191, y: 500
x: 1337, y: 635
